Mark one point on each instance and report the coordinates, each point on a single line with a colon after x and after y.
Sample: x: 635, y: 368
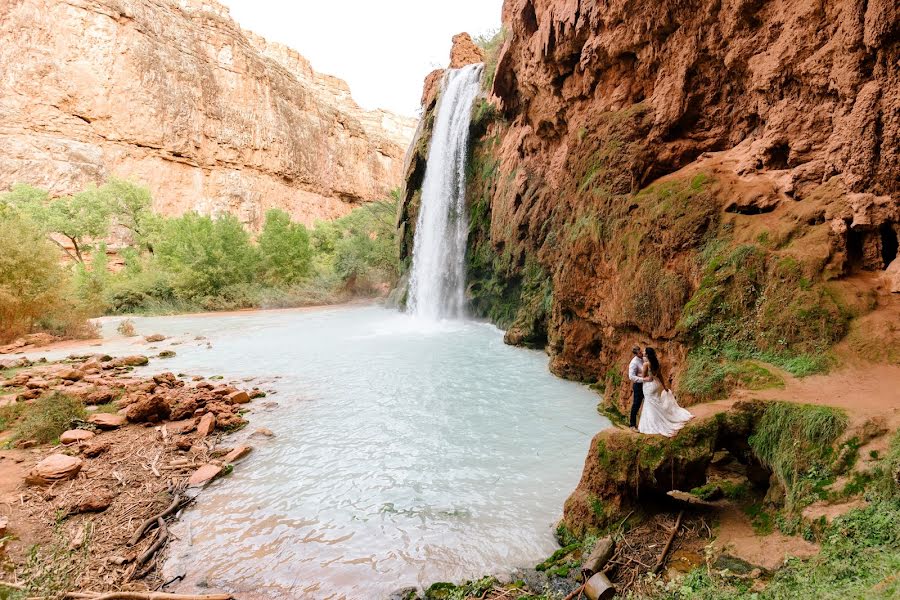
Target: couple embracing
x: 661, y: 413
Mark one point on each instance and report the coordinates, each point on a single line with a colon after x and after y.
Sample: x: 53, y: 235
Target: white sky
x: 382, y: 48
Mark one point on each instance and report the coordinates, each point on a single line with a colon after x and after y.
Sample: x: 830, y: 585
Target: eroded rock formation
x: 689, y: 175
x: 176, y: 96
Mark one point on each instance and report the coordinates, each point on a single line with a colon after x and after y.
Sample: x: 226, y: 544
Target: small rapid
x: 438, y: 276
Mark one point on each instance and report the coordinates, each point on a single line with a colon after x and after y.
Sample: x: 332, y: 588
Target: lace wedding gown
x: 661, y: 413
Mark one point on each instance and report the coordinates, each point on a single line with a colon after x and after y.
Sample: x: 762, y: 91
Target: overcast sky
x: 382, y: 48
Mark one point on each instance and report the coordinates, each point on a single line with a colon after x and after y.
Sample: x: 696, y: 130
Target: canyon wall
x: 174, y: 95
x: 718, y: 179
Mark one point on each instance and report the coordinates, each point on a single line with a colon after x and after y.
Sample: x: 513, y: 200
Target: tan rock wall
x: 174, y: 95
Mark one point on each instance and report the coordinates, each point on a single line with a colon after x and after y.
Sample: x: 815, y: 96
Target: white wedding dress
x: 661, y: 413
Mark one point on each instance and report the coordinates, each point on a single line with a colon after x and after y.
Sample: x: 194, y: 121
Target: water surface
x: 405, y: 453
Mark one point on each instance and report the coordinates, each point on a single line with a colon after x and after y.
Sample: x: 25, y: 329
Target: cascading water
x: 437, y: 282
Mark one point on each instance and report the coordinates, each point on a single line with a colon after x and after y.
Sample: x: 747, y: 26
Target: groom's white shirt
x: 634, y: 370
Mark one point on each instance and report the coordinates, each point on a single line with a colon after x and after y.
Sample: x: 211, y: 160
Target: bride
x: 661, y: 412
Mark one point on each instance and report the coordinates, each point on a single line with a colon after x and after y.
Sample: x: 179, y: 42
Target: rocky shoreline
x: 90, y: 512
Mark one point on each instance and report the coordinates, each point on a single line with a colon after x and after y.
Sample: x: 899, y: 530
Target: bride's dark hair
x: 654, y: 362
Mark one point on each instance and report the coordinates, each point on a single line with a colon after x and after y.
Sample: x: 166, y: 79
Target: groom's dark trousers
x: 638, y: 390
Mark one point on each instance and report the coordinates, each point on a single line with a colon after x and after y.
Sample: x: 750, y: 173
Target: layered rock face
x: 173, y: 94
x: 702, y: 176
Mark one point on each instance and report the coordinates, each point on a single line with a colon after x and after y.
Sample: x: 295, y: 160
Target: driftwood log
x: 154, y: 519
x: 662, y: 557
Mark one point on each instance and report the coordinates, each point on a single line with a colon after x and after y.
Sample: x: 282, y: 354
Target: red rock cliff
x: 703, y: 175
x: 175, y: 95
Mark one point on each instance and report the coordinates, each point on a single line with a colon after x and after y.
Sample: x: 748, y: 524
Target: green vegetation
x: 753, y: 303
x: 49, y: 416
x: 33, y: 285
x: 796, y: 441
x: 187, y: 263
x: 50, y: 569
x: 490, y: 43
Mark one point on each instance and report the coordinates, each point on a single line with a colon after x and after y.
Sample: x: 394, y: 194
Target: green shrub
x: 284, y: 249
x: 34, y: 288
x: 205, y: 256
x: 795, y: 441
x: 48, y: 417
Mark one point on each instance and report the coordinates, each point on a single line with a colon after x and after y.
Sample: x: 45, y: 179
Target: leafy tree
x: 205, y: 255
x: 284, y: 249
x: 131, y: 207
x: 31, y: 278
x: 80, y: 218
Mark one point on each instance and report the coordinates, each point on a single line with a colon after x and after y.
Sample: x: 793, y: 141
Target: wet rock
x: 151, y: 410
x: 229, y: 421
x: 107, y: 421
x: 262, y: 432
x: 165, y: 379
x: 166, y: 354
x: 75, y: 436
x: 257, y: 393
x: 237, y: 454
x: 407, y: 593
x: 239, y: 397
x: 156, y: 337
x: 204, y: 474
x: 54, y: 468
x: 136, y: 360
x: 207, y: 424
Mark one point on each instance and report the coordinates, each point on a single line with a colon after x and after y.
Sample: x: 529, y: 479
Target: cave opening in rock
x: 854, y: 251
x: 777, y: 156
x: 889, y: 244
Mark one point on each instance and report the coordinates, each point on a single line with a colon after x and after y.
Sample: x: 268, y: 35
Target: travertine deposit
x: 175, y: 95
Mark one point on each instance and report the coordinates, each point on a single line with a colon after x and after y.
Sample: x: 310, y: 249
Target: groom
x: 637, y: 384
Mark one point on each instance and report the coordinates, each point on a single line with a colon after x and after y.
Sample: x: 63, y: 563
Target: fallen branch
x: 154, y: 519
x: 163, y: 536
x: 662, y: 557
x: 576, y: 592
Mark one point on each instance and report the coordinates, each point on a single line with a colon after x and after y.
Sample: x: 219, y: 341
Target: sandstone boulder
x: 95, y: 501
x: 75, y: 436
x: 56, y: 467
x: 204, y: 475
x: 239, y: 397
x: 96, y: 448
x: 69, y: 374
x: 151, y: 409
x: 892, y: 276
x: 136, y: 360
x: 237, y: 454
x: 107, y: 421
x: 207, y: 424
x: 156, y: 337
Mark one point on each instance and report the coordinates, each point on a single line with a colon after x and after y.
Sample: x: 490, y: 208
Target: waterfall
x: 438, y: 279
